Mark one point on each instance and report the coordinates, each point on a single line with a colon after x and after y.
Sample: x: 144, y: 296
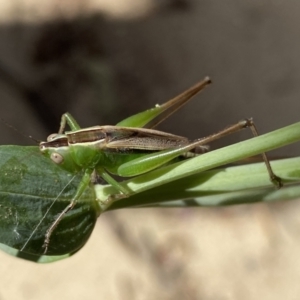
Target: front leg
x: 67, y: 118
x: 80, y: 190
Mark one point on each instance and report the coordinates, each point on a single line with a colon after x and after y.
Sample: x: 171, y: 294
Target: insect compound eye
x: 42, y: 147
x: 56, y: 158
x: 51, y: 137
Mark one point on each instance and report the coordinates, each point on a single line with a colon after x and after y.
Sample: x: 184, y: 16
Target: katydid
x: 130, y: 148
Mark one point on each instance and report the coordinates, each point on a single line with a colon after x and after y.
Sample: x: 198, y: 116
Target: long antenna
x: 18, y: 131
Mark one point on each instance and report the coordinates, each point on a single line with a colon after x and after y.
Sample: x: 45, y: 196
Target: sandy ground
x: 131, y: 55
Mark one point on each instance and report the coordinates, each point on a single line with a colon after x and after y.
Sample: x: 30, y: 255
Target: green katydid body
x: 109, y: 147
x: 113, y: 147
x: 130, y: 148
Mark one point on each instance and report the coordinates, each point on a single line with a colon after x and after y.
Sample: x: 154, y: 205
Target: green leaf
x: 33, y: 192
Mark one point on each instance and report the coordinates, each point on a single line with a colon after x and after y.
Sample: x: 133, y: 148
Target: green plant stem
x: 232, y: 153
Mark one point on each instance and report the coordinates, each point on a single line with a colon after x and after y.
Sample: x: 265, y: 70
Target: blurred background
x: 103, y: 60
